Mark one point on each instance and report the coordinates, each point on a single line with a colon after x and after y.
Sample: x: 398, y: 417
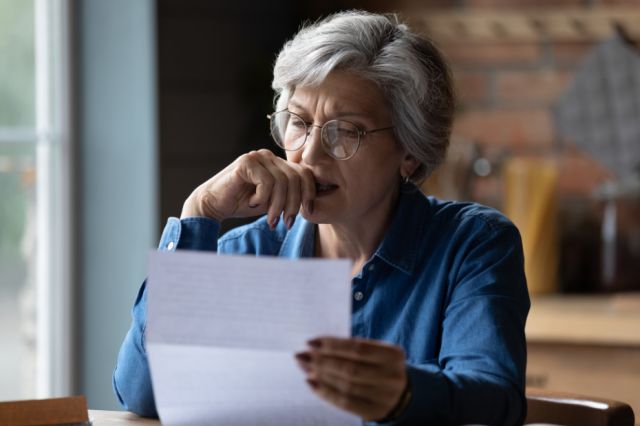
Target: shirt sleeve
x: 131, y: 376
x: 478, y: 377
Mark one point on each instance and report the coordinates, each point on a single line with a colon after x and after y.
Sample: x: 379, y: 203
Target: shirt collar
x: 300, y: 240
x: 399, y: 247
x: 401, y: 243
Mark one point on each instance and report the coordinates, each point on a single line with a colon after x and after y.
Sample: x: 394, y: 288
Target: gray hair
x: 412, y: 74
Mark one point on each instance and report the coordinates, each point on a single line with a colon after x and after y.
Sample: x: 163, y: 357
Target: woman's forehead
x: 341, y: 93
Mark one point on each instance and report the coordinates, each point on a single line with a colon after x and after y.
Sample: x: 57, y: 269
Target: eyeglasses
x: 340, y: 138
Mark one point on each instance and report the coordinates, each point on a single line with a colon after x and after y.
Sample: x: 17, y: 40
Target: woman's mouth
x: 325, y: 188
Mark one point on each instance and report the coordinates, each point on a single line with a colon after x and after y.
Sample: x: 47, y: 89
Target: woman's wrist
x: 403, y: 402
x: 193, y: 207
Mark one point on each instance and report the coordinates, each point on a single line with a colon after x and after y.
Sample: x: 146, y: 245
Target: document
x: 222, y: 331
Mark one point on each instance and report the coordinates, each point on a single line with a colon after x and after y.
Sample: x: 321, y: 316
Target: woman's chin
x: 317, y: 217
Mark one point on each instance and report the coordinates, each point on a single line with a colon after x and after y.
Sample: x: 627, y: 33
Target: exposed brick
x: 471, y: 86
x: 520, y: 130
x: 519, y: 4
x: 416, y: 5
x: 492, y: 54
x: 531, y: 86
x: 580, y: 173
x: 570, y: 53
x: 618, y: 2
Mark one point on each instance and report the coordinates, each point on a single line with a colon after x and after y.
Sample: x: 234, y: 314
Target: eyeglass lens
x: 339, y: 138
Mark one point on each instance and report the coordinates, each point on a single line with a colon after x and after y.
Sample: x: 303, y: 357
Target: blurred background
x: 111, y: 112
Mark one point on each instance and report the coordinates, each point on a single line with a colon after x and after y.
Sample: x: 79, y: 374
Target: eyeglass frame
x: 309, y: 127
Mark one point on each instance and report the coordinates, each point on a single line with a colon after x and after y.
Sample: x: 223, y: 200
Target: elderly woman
x: 363, y: 111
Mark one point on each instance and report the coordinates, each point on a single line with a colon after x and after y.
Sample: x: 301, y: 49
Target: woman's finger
x: 252, y: 170
x: 368, y: 392
x: 364, y: 350
x: 308, y: 187
x: 294, y: 195
x: 357, y: 372
x: 278, y: 196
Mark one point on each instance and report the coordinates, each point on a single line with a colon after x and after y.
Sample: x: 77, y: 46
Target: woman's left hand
x: 365, y: 377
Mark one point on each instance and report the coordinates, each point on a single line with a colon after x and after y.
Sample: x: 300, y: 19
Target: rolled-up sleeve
x: 131, y: 376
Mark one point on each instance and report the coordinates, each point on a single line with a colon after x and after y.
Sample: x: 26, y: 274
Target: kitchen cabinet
x: 586, y: 344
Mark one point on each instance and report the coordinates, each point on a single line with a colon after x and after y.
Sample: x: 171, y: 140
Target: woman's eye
x: 348, y: 133
x: 298, y: 124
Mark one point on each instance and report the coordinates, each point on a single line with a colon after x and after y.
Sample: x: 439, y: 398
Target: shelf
x: 522, y: 25
x: 596, y: 320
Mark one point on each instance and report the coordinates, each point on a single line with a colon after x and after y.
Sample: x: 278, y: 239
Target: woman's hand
x: 255, y: 183
x: 365, y: 377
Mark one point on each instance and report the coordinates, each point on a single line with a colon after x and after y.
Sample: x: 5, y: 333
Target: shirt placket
x: 360, y: 293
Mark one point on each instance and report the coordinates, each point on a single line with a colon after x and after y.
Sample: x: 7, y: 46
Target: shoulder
x: 472, y: 234
x: 455, y: 227
x: 426, y: 230
x: 481, y: 248
x: 428, y: 223
x: 456, y: 214
x: 253, y: 238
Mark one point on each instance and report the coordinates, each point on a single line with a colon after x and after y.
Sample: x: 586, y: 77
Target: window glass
x: 17, y: 200
x: 17, y: 58
x: 17, y: 263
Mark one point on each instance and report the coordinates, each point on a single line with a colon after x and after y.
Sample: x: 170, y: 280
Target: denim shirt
x: 446, y: 284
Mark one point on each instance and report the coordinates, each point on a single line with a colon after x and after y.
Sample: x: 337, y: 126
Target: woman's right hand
x: 255, y: 183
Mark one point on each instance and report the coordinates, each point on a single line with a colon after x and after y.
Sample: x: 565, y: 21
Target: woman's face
x: 364, y: 186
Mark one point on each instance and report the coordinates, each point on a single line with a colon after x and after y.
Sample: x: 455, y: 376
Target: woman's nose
x: 312, y: 150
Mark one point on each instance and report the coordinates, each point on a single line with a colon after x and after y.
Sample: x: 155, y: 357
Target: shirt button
x: 371, y: 267
x: 170, y: 245
x: 358, y: 295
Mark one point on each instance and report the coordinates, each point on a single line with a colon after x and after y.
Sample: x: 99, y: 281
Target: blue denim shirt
x: 446, y: 284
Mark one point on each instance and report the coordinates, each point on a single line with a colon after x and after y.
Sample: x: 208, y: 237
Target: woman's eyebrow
x: 339, y: 114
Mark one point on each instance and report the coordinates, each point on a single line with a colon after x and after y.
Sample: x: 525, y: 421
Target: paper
x: 222, y: 332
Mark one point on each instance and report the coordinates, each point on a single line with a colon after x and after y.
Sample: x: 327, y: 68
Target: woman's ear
x: 409, y: 165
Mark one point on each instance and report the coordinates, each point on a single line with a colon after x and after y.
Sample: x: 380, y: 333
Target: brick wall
x: 506, y: 90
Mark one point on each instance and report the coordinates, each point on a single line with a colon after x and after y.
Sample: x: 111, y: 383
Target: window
x: 35, y: 237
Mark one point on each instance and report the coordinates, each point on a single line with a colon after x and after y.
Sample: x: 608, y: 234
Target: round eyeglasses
x: 340, y: 138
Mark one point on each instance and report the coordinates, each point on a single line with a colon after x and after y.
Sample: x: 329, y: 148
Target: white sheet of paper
x: 222, y: 332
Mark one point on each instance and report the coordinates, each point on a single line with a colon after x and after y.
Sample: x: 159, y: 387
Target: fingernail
x: 304, y: 361
x: 312, y: 383
x: 274, y: 223
x: 315, y: 343
x: 253, y: 206
x: 289, y: 222
x: 303, y: 356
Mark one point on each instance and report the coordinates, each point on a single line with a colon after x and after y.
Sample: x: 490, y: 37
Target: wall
x: 507, y: 89
x: 117, y: 178
x: 214, y: 87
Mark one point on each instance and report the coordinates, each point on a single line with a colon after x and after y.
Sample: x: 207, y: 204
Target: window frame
x: 55, y: 304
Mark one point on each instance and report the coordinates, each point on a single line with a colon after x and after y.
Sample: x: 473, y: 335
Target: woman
x: 363, y: 111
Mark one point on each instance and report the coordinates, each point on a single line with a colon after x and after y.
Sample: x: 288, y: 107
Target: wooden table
x: 602, y: 320
x: 118, y: 418
x: 588, y: 345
